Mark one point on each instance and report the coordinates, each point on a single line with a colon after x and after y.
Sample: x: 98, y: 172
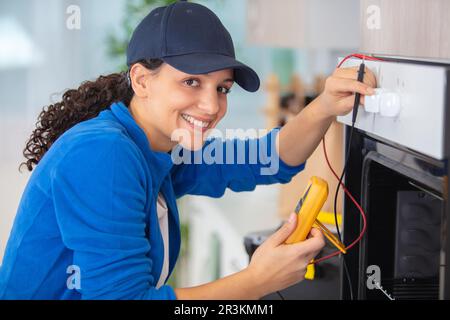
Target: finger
x: 314, y: 232
x: 345, y: 85
x: 347, y: 72
x: 283, y: 233
x: 346, y: 104
x: 313, y: 244
x: 352, y: 73
x: 370, y: 78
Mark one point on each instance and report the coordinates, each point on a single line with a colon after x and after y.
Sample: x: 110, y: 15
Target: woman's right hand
x: 276, y: 265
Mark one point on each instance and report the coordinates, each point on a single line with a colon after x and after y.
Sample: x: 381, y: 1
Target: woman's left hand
x: 338, y: 97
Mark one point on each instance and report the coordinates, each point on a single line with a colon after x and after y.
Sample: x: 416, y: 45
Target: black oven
x: 402, y: 185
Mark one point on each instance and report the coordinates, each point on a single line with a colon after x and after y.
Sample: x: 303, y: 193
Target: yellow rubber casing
x: 308, y: 208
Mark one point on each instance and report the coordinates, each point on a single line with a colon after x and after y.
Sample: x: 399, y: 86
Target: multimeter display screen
x: 300, y: 203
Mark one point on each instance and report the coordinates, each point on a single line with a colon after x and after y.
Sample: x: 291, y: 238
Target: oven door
x: 403, y: 194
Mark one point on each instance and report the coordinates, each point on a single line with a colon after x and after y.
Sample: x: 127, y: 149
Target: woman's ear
x: 139, y: 76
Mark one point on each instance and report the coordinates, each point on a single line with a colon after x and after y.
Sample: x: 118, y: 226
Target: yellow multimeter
x: 307, y: 210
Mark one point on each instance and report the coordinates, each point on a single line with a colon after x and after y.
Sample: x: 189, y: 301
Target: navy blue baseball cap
x: 190, y: 38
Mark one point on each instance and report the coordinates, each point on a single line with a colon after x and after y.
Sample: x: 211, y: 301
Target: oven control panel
x: 408, y: 107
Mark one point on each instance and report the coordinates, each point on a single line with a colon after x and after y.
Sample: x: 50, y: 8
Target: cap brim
x: 201, y: 63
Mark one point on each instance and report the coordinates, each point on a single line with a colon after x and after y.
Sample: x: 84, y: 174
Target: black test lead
x: 361, y: 72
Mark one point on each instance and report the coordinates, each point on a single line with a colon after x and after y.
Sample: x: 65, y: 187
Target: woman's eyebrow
x: 228, y: 80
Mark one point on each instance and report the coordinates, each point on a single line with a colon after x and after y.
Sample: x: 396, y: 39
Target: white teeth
x: 194, y: 121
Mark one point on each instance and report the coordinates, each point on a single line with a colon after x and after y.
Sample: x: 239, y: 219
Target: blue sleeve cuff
x: 291, y: 169
x: 163, y: 293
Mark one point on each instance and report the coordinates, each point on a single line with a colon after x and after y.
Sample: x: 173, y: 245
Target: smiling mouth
x: 196, y: 123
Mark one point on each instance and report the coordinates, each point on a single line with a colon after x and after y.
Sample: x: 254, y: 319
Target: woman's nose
x: 209, y: 103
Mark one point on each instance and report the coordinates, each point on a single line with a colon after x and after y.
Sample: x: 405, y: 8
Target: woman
x: 98, y: 218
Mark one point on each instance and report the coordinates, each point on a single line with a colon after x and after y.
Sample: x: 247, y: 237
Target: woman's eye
x: 192, y: 82
x: 224, y: 90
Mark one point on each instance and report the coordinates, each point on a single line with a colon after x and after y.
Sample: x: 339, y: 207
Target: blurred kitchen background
x: 43, y: 52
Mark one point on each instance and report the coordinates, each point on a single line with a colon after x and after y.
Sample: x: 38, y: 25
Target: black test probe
x: 361, y: 72
x: 360, y: 78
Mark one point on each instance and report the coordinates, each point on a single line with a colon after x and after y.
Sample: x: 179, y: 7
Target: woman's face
x: 174, y: 107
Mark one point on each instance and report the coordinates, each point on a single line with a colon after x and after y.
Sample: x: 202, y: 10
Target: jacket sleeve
x: 99, y: 193
x: 237, y: 164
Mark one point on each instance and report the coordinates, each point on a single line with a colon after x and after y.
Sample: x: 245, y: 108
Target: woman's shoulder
x: 103, y: 126
x: 95, y: 137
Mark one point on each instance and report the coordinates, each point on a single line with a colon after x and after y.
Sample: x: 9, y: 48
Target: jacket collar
x: 160, y: 163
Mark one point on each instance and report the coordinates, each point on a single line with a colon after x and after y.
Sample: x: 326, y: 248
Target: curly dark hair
x: 78, y: 105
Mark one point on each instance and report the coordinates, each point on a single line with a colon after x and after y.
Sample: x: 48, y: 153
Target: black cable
x: 347, y: 153
x: 279, y: 294
x: 347, y: 275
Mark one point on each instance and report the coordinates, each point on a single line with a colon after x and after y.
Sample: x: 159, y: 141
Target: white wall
x: 68, y: 57
x: 230, y: 218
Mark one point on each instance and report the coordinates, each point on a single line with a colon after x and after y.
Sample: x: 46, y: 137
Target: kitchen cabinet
x: 408, y: 28
x: 313, y: 24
